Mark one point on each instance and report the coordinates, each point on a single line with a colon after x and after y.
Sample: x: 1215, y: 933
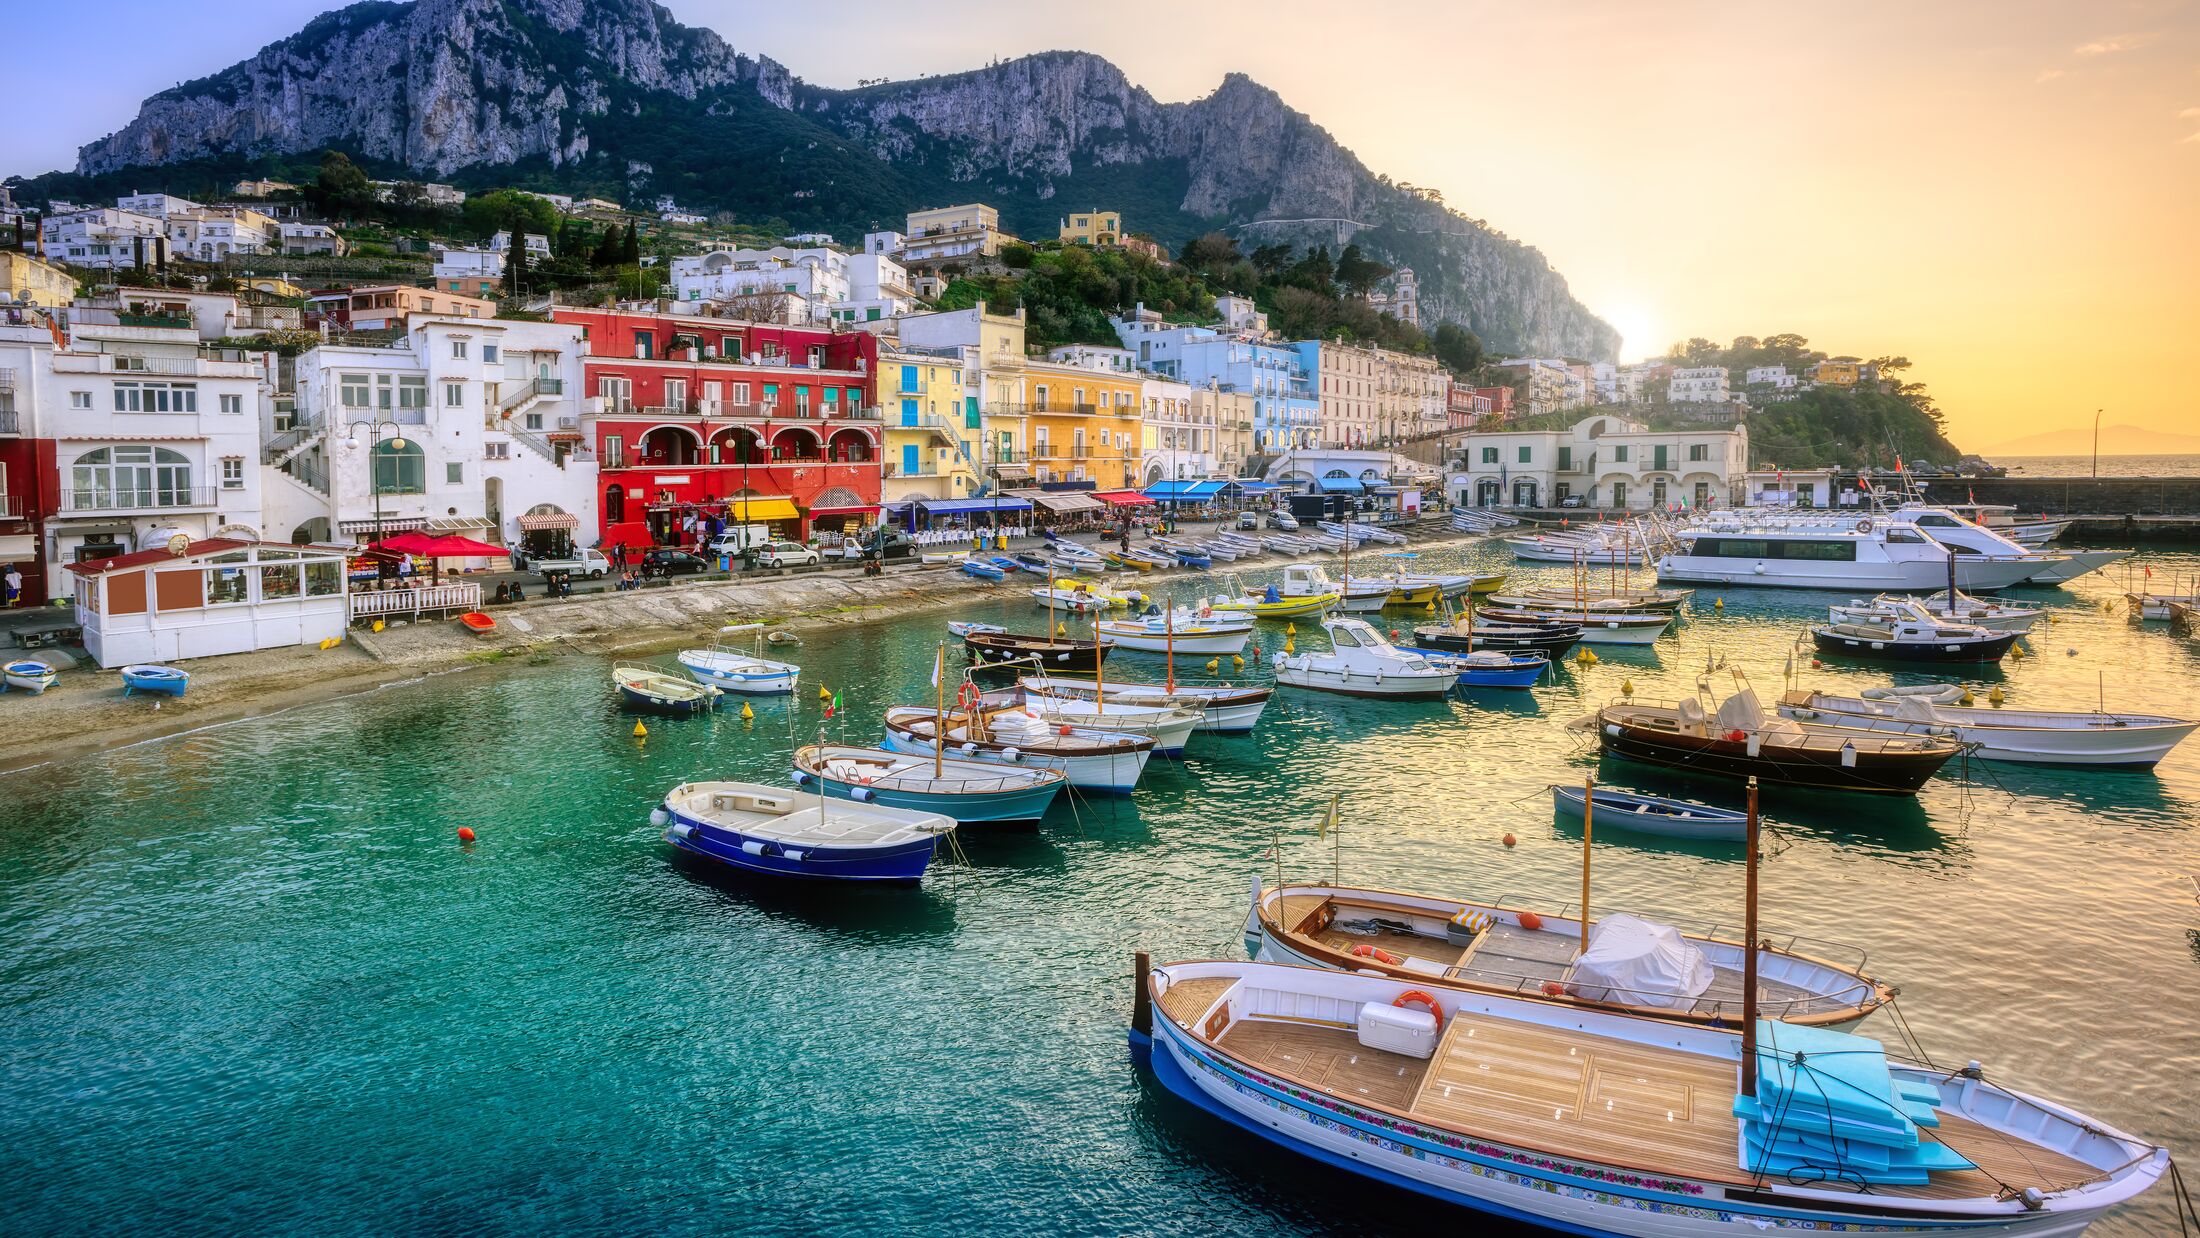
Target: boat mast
x: 1749, y: 953
x: 939, y: 709
x: 1168, y: 641
x: 1588, y: 811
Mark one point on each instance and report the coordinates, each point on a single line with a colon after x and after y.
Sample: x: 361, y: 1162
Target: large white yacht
x: 1949, y: 527
x: 1882, y: 552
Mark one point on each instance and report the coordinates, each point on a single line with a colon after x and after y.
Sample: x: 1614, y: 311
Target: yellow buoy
x: 1061, y: 629
x: 640, y: 731
x: 1968, y: 699
x: 1214, y: 666
x: 1718, y: 603
x: 1626, y: 687
x: 824, y: 693
x: 746, y: 712
x: 2053, y: 619
x: 1237, y: 661
x: 1585, y: 658
x: 1995, y: 697
x: 1290, y: 645
x: 1290, y: 629
x: 2016, y: 653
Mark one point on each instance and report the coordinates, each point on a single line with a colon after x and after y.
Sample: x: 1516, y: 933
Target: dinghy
x: 1076, y: 600
x: 1182, y: 631
x: 983, y: 570
x: 968, y: 791
x: 1092, y: 760
x: 1361, y: 663
x: 657, y: 692
x: 965, y: 627
x: 723, y: 666
x: 1223, y: 708
x: 477, y: 623
x: 1037, y: 652
x: 1977, y: 612
x: 159, y: 680
x: 2026, y: 736
x: 779, y: 833
x: 29, y: 675
x: 1490, y: 668
x: 1650, y: 814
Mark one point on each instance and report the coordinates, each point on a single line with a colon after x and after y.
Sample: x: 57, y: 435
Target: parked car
x: 1248, y: 520
x: 1282, y: 520
x: 785, y: 554
x: 1573, y: 500
x: 665, y: 561
x: 589, y: 563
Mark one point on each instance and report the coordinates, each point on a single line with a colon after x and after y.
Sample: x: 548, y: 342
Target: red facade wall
x: 33, y: 493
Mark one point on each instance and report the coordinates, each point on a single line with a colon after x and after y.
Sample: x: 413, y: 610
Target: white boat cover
x: 1914, y: 709
x: 1639, y: 962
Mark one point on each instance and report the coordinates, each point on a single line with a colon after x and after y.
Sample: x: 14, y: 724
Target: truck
x: 737, y: 541
x: 589, y: 563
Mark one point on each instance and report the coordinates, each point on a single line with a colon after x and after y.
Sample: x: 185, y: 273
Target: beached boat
x: 1092, y: 759
x: 779, y: 833
x: 1740, y: 741
x: 1596, y: 627
x: 159, y: 680
x: 1903, y: 636
x: 477, y: 623
x: 983, y: 570
x: 1036, y: 564
x: 1183, y: 631
x: 1650, y: 814
x: 968, y: 791
x: 1495, y: 948
x: 734, y: 670
x: 28, y: 675
x: 1035, y: 652
x: 1613, y: 1125
x: 1360, y: 662
x: 659, y: 692
x: 1139, y: 560
x: 2028, y: 736
x: 1223, y: 708
x: 1490, y: 668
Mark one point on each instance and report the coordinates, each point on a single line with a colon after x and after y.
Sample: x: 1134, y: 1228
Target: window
x: 324, y: 580
x: 454, y: 395
x: 1489, y: 455
x: 1525, y: 454
x: 130, y: 476
x: 1565, y: 459
x: 1619, y: 453
x: 454, y: 474
x: 232, y: 472
x: 458, y: 350
x: 80, y: 399
x: 1699, y: 451
x: 645, y: 345
x: 156, y: 398
x: 614, y: 505
x: 489, y: 353
x: 354, y: 388
x: 228, y: 581
x: 740, y: 393
x: 412, y: 392
x: 496, y: 451
x: 232, y: 403
x: 400, y: 468
x: 278, y: 580
x: 614, y: 453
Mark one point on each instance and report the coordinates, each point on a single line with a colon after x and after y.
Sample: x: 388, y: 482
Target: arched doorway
x: 850, y: 447
x: 794, y: 443
x: 312, y: 531
x: 1524, y: 492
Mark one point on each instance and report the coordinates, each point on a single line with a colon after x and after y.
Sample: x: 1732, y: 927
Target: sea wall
x: 2077, y: 496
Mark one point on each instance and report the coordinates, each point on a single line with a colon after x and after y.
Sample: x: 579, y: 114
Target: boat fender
x: 969, y: 748
x: 659, y: 817
x: 1411, y: 996
x: 1377, y: 953
x: 796, y: 856
x: 683, y: 830
x: 1011, y: 754
x: 1612, y: 729
x: 753, y: 847
x: 801, y: 779
x: 1848, y: 755
x: 1530, y: 921
x: 862, y: 795
x: 1736, y: 736
x: 1756, y: 745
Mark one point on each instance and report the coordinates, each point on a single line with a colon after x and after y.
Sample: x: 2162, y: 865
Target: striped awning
x: 388, y: 524
x: 548, y: 520
x: 454, y: 524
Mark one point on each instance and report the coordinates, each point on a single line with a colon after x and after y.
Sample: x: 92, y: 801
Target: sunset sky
x: 2006, y: 192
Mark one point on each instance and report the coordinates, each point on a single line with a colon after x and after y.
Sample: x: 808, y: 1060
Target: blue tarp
x: 936, y: 507
x: 1340, y: 485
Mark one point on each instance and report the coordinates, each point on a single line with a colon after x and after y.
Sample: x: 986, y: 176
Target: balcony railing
x: 531, y: 389
x: 9, y: 423
x: 1004, y: 360
x: 11, y: 507
x: 152, y: 499
x: 153, y: 320
x: 7, y: 378
x: 167, y: 367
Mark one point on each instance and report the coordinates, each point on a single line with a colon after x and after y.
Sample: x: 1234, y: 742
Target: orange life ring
x: 1416, y: 995
x: 966, y: 697
x: 1376, y: 953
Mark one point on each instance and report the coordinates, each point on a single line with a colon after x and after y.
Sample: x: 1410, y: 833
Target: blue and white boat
x: 1650, y: 814
x: 983, y: 570
x: 779, y: 833
x: 163, y: 680
x: 29, y: 675
x: 968, y: 791
x: 1491, y: 668
x: 964, y: 627
x: 1092, y: 759
x: 733, y: 670
x: 652, y: 691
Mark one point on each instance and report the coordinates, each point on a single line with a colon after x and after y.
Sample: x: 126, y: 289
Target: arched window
x: 400, y: 467
x: 130, y: 476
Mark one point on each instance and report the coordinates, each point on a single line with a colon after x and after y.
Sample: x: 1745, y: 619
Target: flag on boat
x: 1329, y: 819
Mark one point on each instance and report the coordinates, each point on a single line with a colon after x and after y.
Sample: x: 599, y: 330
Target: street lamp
x: 374, y: 476
x: 2096, y: 444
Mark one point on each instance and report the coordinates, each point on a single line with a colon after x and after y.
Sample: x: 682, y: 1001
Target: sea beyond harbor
x: 253, y: 984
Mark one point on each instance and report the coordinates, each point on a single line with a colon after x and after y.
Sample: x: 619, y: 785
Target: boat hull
x: 1394, y: 687
x: 1974, y: 574
x: 1705, y: 824
x: 752, y: 683
x: 1138, y: 638
x: 1116, y: 773
x: 900, y: 863
x: 1882, y: 774
x: 636, y: 700
x: 144, y: 679
x: 31, y: 677
x: 2078, y: 564
x: 1222, y: 710
x: 2138, y: 747
x: 1524, y: 672
x: 1913, y: 651
x: 1551, y: 644
x: 968, y: 807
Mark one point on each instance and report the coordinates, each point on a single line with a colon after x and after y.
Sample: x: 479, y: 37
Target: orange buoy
x: 1376, y: 953
x: 1815, y: 663
x: 1530, y: 921
x: 1511, y: 841
x: 1552, y: 988
x: 465, y: 833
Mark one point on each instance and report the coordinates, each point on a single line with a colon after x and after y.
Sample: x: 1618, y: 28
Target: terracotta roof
x: 142, y: 558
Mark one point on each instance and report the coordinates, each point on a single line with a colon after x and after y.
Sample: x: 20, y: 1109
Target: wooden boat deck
x: 1642, y: 1107
x: 1186, y: 1000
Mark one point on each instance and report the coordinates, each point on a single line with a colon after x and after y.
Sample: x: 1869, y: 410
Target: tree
x: 630, y: 249
x: 607, y: 250
x: 340, y: 186
x: 1358, y: 273
x: 509, y: 210
x: 1458, y: 348
x: 515, y: 268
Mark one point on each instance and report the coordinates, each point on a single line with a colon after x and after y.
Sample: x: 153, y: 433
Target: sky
x: 2005, y: 191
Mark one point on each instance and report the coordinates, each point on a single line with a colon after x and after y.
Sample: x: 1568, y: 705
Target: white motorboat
x: 1977, y: 612
x: 1166, y: 725
x: 1094, y: 760
x: 1184, y: 631
x: 1360, y: 662
x: 1224, y: 708
x: 2028, y: 736
x: 1074, y: 599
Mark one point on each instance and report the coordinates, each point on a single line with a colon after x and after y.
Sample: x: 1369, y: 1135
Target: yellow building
x: 933, y: 425
x: 1093, y: 228
x: 273, y: 285
x: 972, y: 229
x: 1085, y: 424
x: 1835, y: 373
x: 992, y: 350
x: 24, y: 276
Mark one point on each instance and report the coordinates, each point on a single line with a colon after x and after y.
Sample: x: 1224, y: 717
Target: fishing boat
x: 1167, y: 725
x: 1649, y: 814
x: 1180, y: 631
x: 1609, y: 1124
x: 658, y: 692
x: 1596, y: 627
x: 1643, y: 967
x: 29, y: 674
x: 2027, y: 736
x: 1074, y: 599
x: 160, y: 680
x: 1223, y: 708
x: 968, y: 791
x: 1739, y: 741
x: 734, y: 670
x: 1092, y: 759
x: 983, y: 570
x: 1901, y: 636
x: 1463, y: 636
x: 1360, y: 662
x: 477, y: 623
x: 964, y: 627
x: 1490, y: 668
x: 2150, y: 605
x: 781, y: 834
x: 1305, y: 590
x: 1627, y: 601
x: 1977, y: 612
x: 1037, y: 652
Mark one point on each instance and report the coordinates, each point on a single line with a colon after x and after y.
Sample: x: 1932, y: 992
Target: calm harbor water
x: 2108, y: 466
x: 250, y: 984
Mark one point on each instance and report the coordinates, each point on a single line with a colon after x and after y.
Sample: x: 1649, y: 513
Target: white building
x: 210, y: 234
x: 681, y: 217
x: 1770, y: 382
x: 305, y: 238
x: 1607, y: 461
x: 1240, y: 316
x: 471, y: 271
x: 1398, y: 295
x: 1177, y: 434
x: 1702, y: 384
x: 431, y: 193
x: 1545, y: 379
x: 825, y: 284
x: 1604, y: 378
x: 158, y: 205
x: 538, y: 245
x: 104, y: 237
x: 198, y: 597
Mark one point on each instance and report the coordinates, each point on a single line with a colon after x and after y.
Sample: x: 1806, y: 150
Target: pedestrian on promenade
x: 14, y: 585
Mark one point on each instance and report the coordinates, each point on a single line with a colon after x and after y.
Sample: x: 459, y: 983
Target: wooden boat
x: 1223, y: 708
x: 778, y: 833
x: 734, y: 670
x: 160, y: 680
x: 657, y: 692
x: 2149, y: 605
x: 477, y: 623
x: 1490, y: 668
x: 2028, y: 736
x: 1907, y: 638
x: 1739, y: 741
x: 1977, y: 612
x: 1610, y: 1124
x: 1092, y: 759
x: 29, y: 675
x: 968, y: 791
x: 1185, y: 632
x: 1629, y: 602
x: 1597, y: 627
x: 1037, y: 652
x: 1076, y: 600
x: 1361, y: 663
x: 1551, y: 640
x: 1490, y: 947
x: 983, y: 570
x: 1167, y: 725
x: 1650, y: 814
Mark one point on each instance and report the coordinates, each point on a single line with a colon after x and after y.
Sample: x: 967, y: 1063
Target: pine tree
x: 515, y: 268
x: 630, y: 251
x: 607, y: 250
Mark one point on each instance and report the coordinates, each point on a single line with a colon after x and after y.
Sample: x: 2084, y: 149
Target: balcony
x: 158, y: 367
x: 157, y: 498
x: 1004, y: 361
x: 154, y: 320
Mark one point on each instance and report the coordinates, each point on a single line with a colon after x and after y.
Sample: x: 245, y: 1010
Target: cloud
x: 2048, y: 75
x: 2190, y: 113
x: 2116, y: 43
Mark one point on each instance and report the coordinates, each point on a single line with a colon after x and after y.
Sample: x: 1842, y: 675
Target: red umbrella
x: 453, y: 546
x: 410, y: 543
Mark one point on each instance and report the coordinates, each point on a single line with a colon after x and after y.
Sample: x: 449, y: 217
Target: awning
x: 549, y: 520
x: 853, y: 509
x: 1340, y: 485
x: 935, y: 507
x: 1249, y: 486
x: 18, y: 547
x: 1067, y: 501
x: 1011, y: 470
x: 453, y: 524
x: 1124, y: 498
x: 1185, y: 491
x: 743, y: 511
x: 388, y: 524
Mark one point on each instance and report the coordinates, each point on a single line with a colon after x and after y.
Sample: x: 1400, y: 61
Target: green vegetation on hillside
x: 1870, y: 424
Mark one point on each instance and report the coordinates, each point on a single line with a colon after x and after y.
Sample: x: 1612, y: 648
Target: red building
x: 29, y: 481
x: 697, y: 413
x: 1501, y: 401
x: 1465, y: 407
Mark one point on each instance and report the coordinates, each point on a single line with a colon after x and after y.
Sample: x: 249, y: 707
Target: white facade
x: 1771, y: 382
x: 538, y: 245
x: 158, y: 205
x: 304, y: 238
x: 1704, y: 384
x: 468, y: 264
x: 210, y: 234
x: 1240, y: 316
x: 1607, y: 461
x: 1376, y: 395
x: 824, y: 283
x: 103, y: 237
x: 1177, y: 435
x: 681, y: 217
x: 1546, y: 379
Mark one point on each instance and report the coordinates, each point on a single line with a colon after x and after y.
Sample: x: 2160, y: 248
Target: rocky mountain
x: 616, y: 96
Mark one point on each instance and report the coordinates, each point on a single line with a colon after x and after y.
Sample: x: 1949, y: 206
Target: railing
x: 1004, y: 360
x: 11, y: 507
x: 153, y: 320
x: 922, y: 470
x: 533, y: 388
x: 410, y: 600
x: 7, y: 378
x: 289, y: 440
x: 136, y: 500
x: 307, y: 472
x: 271, y: 318
x: 8, y: 422
x: 187, y: 367
x: 535, y: 442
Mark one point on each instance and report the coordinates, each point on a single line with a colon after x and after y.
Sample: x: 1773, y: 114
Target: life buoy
x: 1864, y: 525
x: 1415, y: 995
x: 966, y: 697
x: 1376, y: 953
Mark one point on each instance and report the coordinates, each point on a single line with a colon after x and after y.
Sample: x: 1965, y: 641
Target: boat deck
x: 1638, y: 1106
x: 835, y: 823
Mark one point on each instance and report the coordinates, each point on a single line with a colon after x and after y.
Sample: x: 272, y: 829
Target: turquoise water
x: 250, y: 984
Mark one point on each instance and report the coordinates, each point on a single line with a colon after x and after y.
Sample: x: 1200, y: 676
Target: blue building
x: 1286, y: 408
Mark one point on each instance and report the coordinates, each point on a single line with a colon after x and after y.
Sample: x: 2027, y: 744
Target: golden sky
x: 2007, y: 193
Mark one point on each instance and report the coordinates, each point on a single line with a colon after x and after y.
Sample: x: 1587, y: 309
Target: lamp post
x: 374, y: 477
x: 2097, y: 444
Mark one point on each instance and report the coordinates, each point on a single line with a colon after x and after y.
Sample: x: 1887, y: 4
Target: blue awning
x: 1340, y: 485
x: 1185, y: 491
x: 1255, y: 487
x: 935, y: 507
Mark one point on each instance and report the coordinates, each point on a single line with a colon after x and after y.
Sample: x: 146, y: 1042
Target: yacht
x: 1949, y: 527
x: 1880, y: 554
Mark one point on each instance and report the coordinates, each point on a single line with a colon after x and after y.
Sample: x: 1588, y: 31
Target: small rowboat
x: 1223, y: 707
x: 2029, y: 736
x: 1490, y: 668
x: 964, y: 627
x: 1036, y: 652
x: 656, y: 692
x: 982, y: 570
x: 1650, y: 814
x: 1092, y: 759
x: 783, y: 834
x: 477, y: 623
x: 30, y: 675
x: 965, y: 790
x: 164, y: 680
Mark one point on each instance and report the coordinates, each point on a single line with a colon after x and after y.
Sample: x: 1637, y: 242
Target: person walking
x: 14, y: 580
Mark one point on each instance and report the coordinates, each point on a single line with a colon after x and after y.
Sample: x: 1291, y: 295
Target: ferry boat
x: 1864, y: 555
